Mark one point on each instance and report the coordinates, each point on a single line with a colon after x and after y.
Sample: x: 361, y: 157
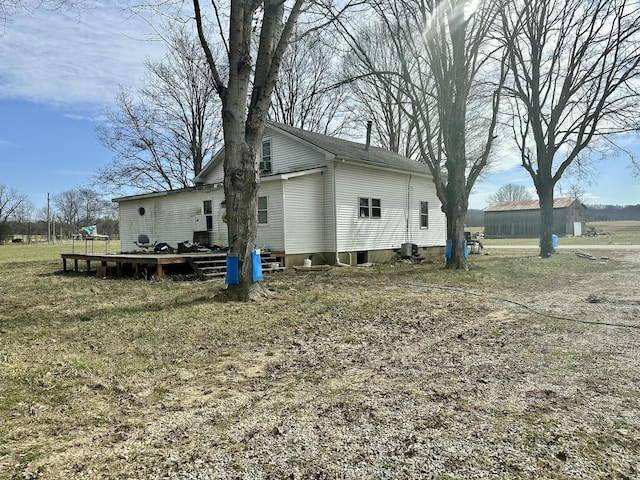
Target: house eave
x: 294, y: 174
x: 165, y: 193
x: 369, y: 164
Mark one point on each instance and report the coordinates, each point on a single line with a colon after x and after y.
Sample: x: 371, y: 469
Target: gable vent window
x: 265, y: 158
x: 370, y: 207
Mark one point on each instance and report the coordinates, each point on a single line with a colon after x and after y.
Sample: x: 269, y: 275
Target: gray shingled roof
x: 341, y: 149
x: 353, y: 151
x: 528, y: 205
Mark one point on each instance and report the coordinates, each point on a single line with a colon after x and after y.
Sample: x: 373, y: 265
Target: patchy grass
x: 393, y: 371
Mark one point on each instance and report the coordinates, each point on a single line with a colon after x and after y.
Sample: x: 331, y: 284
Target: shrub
x: 5, y: 232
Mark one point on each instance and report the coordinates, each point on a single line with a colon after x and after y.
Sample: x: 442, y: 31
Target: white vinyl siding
x: 169, y: 218
x: 271, y: 234
x: 436, y: 232
x: 216, y: 175
x: 304, y: 207
x: 398, y: 223
x: 288, y: 155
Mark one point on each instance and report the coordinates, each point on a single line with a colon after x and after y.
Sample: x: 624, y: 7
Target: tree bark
x: 241, y: 192
x: 455, y: 210
x: 243, y: 127
x: 545, y: 194
x: 241, y: 174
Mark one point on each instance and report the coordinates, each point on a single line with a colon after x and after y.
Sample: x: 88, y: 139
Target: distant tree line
x: 595, y: 213
x: 68, y: 212
x: 598, y: 213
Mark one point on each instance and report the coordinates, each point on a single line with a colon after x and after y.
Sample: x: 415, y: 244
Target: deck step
x: 213, y: 266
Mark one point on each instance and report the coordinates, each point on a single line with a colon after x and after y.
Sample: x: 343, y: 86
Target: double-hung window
x: 369, y: 207
x: 207, y: 208
x: 265, y: 157
x: 263, y: 204
x: 424, y: 214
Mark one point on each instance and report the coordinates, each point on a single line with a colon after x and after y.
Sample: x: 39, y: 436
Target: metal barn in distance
x: 522, y: 219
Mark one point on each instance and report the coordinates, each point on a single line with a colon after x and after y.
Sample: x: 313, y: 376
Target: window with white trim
x: 207, y: 208
x: 265, y: 157
x: 263, y: 205
x: 369, y: 207
x: 424, y: 214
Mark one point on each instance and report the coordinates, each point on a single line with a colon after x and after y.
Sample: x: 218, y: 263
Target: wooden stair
x: 209, y: 266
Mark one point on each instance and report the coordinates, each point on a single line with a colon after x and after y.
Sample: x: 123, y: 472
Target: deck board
x: 156, y: 260
x: 119, y: 259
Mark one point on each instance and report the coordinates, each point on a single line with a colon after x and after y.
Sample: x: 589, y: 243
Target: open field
x: 519, y: 368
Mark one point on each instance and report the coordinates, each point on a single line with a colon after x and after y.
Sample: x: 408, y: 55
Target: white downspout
x: 408, y: 235
x: 335, y: 219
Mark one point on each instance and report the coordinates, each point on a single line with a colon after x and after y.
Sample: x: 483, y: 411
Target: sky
x: 60, y: 69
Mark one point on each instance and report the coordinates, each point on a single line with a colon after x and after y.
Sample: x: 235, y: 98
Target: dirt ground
x: 433, y: 382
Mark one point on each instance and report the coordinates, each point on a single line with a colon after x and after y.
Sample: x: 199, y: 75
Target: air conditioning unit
x: 199, y: 223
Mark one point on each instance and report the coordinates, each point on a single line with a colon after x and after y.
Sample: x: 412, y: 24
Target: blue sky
x: 59, y: 69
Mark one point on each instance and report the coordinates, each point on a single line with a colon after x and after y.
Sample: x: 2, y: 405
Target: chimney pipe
x: 368, y: 144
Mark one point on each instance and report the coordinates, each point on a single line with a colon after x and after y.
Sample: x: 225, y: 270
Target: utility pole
x: 48, y: 218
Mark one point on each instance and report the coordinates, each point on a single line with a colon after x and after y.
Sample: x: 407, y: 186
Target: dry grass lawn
x: 519, y: 368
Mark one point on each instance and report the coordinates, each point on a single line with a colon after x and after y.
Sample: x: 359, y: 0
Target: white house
x: 340, y: 201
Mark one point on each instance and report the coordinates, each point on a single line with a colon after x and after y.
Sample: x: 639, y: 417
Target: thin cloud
x: 73, y: 173
x: 69, y: 59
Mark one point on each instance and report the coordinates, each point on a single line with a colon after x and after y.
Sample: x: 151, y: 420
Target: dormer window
x: 265, y: 158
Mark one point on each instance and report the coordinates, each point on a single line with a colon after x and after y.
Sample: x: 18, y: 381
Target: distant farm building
x: 522, y: 219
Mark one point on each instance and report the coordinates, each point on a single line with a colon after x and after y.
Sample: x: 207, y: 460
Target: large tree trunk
x: 545, y: 194
x: 243, y: 128
x: 241, y: 173
x: 455, y: 234
x: 241, y: 188
x: 455, y: 209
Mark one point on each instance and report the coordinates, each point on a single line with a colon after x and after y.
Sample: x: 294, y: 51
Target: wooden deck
x: 157, y: 262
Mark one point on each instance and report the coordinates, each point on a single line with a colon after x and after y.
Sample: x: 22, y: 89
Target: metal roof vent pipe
x: 368, y: 144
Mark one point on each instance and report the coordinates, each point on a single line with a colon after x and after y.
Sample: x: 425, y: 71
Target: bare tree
x: 164, y: 134
x: 307, y: 94
x: 8, y: 8
x: 510, y: 193
x: 67, y: 209
x: 452, y: 80
x: 574, y: 70
x: 377, y: 95
x: 91, y: 206
x: 23, y: 218
x: 10, y: 202
x: 246, y: 100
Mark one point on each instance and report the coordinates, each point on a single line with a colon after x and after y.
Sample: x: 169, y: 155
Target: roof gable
x: 333, y: 148
x: 348, y: 150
